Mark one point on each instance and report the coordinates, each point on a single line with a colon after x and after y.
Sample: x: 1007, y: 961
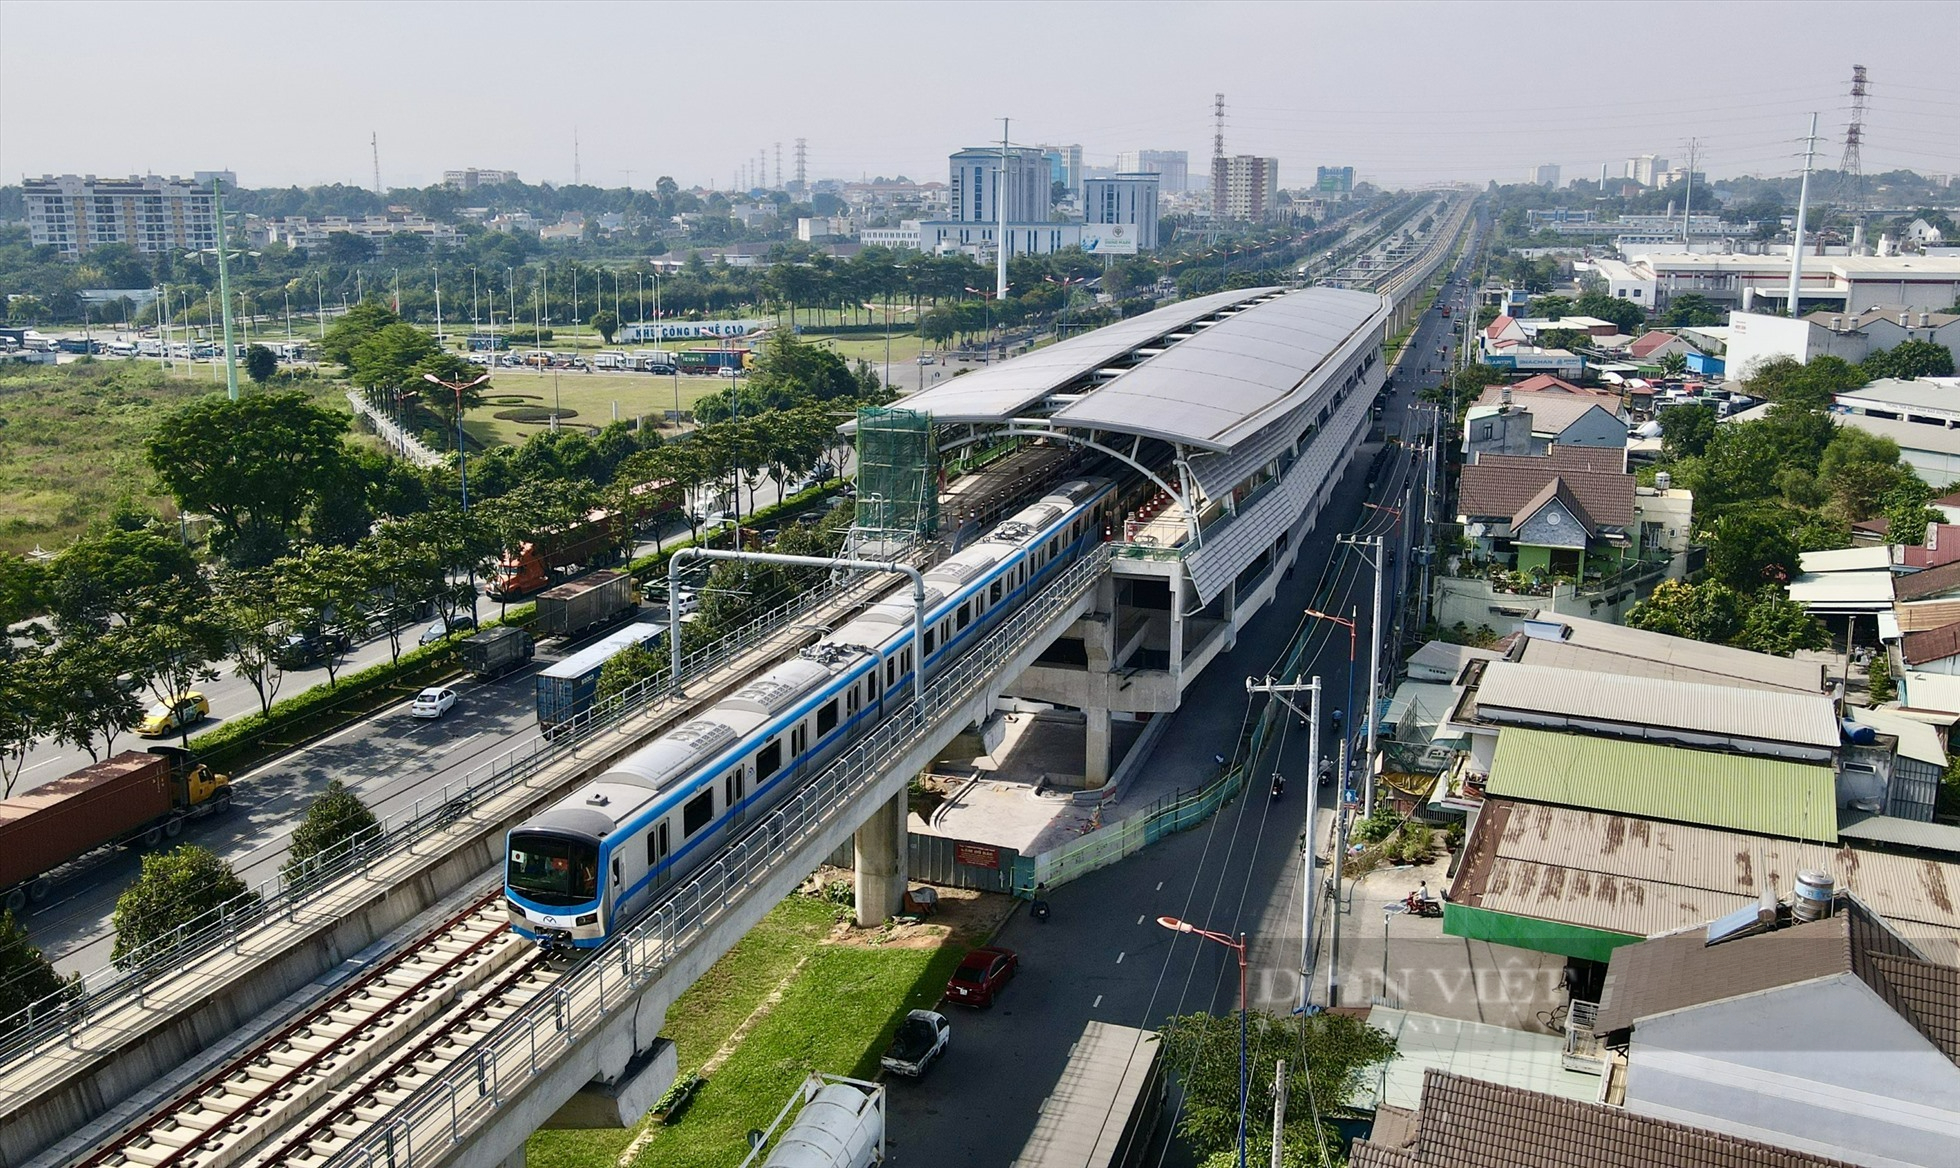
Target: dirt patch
x: 963, y: 917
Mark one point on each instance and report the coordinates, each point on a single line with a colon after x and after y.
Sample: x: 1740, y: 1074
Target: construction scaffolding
x: 897, y: 483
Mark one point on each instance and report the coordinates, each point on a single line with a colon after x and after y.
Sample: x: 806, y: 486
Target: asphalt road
x: 391, y: 760
x: 1102, y: 955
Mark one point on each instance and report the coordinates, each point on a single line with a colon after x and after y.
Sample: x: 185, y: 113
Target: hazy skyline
x: 1405, y: 93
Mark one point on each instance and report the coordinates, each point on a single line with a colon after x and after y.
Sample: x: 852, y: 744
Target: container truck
x: 569, y: 688
x: 138, y: 796
x: 495, y: 652
x: 540, y: 561
x: 570, y: 609
x: 711, y: 360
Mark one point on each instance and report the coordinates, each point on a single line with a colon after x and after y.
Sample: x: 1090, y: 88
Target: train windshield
x: 553, y: 870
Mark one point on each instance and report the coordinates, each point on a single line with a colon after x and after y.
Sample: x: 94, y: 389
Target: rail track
x: 295, y: 1096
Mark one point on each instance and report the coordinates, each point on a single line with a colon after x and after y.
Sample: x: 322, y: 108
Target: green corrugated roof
x: 1791, y: 800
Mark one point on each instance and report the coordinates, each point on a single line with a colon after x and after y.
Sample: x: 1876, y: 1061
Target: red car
x: 981, y: 976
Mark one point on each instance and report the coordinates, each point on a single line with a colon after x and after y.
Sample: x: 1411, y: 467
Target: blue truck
x: 568, y: 689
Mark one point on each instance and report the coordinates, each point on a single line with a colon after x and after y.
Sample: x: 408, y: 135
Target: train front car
x: 551, y: 879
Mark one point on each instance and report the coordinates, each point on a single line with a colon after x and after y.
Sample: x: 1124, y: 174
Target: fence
x: 51, y: 1017
x: 424, y: 1128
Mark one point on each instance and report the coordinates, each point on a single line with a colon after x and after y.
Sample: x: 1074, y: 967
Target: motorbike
x: 1279, y: 784
x: 1420, y: 904
x: 1326, y: 771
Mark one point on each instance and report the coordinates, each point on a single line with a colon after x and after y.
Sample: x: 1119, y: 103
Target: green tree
x: 605, y: 323
x: 1692, y: 310
x: 26, y: 977
x: 1326, y: 1057
x: 253, y: 464
x: 1706, y: 611
x: 1674, y: 364
x: 1776, y: 624
x: 1686, y: 431
x: 1878, y: 682
x: 628, y: 668
x: 25, y: 711
x: 99, y: 578
x: 1625, y: 313
x: 1910, y: 359
x: 252, y: 613
x: 1550, y: 307
x: 172, y: 639
x: 261, y: 365
x: 1751, y: 546
x: 333, y: 824
x: 355, y: 326
x: 186, y: 888
x: 326, y: 586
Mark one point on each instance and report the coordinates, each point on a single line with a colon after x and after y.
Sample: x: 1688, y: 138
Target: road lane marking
x: 1096, y: 1003
x: 1160, y: 886
x: 1120, y: 957
x: 44, y: 762
x: 1140, y: 917
x: 458, y: 742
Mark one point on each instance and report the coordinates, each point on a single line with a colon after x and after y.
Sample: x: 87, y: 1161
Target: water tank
x: 1663, y: 480
x: 839, y: 1127
x: 1813, y: 899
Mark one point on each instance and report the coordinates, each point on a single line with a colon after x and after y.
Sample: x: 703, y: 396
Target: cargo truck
x: 542, y: 560
x: 569, y: 688
x: 495, y: 652
x: 138, y: 796
x: 599, y: 599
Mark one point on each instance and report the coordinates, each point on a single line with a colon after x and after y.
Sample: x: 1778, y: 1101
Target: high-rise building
x: 1544, y: 176
x: 1064, y: 166
x: 974, y: 175
x: 1244, y: 187
x: 472, y: 177
x: 1646, y: 168
x: 76, y: 214
x: 1173, y: 165
x: 1127, y: 200
x: 1333, y: 180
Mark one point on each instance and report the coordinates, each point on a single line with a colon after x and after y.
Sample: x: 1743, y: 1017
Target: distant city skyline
x: 1405, y: 93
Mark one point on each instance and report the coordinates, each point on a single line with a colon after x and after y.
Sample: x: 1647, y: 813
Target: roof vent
x: 1813, y: 895
x: 597, y: 799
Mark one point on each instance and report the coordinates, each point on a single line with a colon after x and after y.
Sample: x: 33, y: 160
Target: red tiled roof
x: 1646, y: 343
x: 1499, y: 485
x: 1468, y: 1123
x: 1931, y: 644
x: 1931, y: 582
x: 1546, y: 383
x: 1498, y: 326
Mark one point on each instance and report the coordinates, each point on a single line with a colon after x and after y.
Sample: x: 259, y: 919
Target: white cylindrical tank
x: 1813, y: 899
x: 840, y: 1127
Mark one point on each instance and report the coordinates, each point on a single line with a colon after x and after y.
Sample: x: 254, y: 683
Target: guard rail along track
x: 421, y: 1126
x: 220, y: 1116
x: 53, y: 1018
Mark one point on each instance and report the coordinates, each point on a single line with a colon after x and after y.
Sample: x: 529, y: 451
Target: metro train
x: 596, y: 859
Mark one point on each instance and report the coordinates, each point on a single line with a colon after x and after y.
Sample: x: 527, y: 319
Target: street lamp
x: 1067, y: 296
x: 987, y: 316
x: 462, y: 452
x: 1238, y: 946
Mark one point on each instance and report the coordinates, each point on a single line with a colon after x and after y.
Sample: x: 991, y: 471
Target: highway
x: 389, y: 760
x: 1102, y: 955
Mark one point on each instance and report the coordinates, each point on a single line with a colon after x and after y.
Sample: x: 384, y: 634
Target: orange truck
x: 592, y: 542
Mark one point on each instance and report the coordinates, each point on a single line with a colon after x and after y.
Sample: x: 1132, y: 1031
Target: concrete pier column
x: 1095, y: 757
x: 880, y: 863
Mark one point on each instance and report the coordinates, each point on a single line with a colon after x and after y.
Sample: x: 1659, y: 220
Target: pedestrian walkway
x: 405, y: 444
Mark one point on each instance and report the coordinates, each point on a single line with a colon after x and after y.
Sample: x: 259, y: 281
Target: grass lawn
x: 838, y: 1005
x: 583, y: 398
x: 71, y: 443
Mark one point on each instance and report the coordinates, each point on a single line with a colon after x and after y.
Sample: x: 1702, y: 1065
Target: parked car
x: 437, y: 631
x: 432, y: 702
x: 168, y: 717
x: 982, y: 975
x: 921, y: 1039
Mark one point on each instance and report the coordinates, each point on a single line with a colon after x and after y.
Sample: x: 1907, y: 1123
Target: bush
x: 335, y: 818
x: 185, y: 886
x: 26, y: 976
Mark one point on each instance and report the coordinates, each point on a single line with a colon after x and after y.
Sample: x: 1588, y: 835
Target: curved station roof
x: 1204, y: 373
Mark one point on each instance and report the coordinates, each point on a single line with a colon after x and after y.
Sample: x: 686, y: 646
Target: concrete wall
x: 1826, y: 1067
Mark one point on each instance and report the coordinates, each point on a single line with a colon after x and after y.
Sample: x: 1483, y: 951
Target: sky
x: 1407, y: 93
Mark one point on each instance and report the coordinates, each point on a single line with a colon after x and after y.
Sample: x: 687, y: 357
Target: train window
x: 731, y: 787
x: 993, y: 594
x: 769, y: 759
x: 827, y: 718
x: 960, y: 618
x: 891, y: 671
x: 932, y: 639
x: 1054, y: 547
x: 657, y: 844
x: 698, y: 813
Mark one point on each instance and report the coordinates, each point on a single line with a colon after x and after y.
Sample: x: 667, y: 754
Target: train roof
x: 572, y: 820
x: 778, y: 689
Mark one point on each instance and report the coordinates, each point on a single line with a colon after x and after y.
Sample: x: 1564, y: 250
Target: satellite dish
x: 1477, y: 530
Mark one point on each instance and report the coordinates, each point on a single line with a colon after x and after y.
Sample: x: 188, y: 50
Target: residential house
x: 1835, y: 1037
x: 1546, y: 383
x: 1841, y: 581
x: 1470, y: 1123
x: 1942, y: 546
x: 1531, y: 423
x: 1567, y: 512
x: 1651, y: 348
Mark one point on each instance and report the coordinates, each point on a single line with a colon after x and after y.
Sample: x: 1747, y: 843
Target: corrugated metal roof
x: 1907, y: 833
x: 1743, y: 792
x: 1851, y: 559
x: 1650, y: 703
x: 1236, y: 376
x: 1717, y: 659
x: 1565, y: 655
x: 1627, y: 874
x: 1917, y: 738
x: 1001, y: 391
x: 1867, y: 591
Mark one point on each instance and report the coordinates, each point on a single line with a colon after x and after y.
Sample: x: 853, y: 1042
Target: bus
x: 1104, y: 1109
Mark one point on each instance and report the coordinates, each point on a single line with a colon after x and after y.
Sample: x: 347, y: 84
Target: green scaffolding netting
x: 897, y: 481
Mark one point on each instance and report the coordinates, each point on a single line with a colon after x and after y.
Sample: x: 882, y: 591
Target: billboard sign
x: 1109, y: 238
x: 691, y: 330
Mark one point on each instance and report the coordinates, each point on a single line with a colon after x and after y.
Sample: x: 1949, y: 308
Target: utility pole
x: 1374, y: 667
x: 1803, y: 207
x: 1280, y: 690
x: 1688, y: 207
x: 1000, y: 214
x: 224, y: 289
x: 1279, y: 1109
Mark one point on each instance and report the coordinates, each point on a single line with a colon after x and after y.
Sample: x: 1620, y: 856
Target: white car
x: 433, y: 702
x: 686, y: 602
